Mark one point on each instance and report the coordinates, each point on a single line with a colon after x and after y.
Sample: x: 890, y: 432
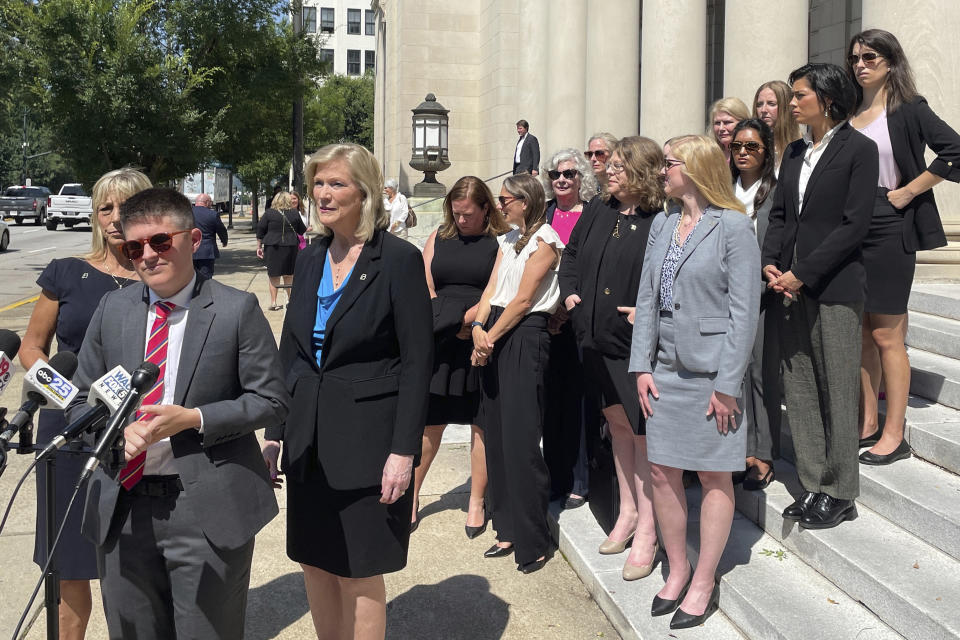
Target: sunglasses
x: 868, y: 57
x: 569, y: 174
x: 601, y: 154
x: 159, y: 242
x: 504, y: 201
x: 750, y: 147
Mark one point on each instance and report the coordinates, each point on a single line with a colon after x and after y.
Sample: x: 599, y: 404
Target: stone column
x: 762, y: 42
x: 613, y: 68
x: 927, y: 31
x: 532, y: 70
x: 673, y: 73
x: 565, y: 66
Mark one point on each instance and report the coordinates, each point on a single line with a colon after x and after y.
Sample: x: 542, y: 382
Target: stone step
x: 933, y: 432
x: 626, y: 604
x: 934, y: 272
x: 913, y: 494
x: 936, y: 299
x: 934, y: 334
x: 771, y: 593
x: 935, y: 377
x: 911, y: 586
x: 918, y: 497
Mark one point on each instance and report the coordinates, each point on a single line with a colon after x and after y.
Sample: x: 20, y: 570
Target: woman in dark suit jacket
x: 357, y: 349
x: 753, y: 165
x: 905, y: 220
x: 812, y: 255
x: 599, y: 276
x: 278, y: 241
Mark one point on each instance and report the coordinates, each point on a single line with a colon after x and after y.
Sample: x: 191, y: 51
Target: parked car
x: 25, y: 202
x: 70, y: 206
x: 4, y: 236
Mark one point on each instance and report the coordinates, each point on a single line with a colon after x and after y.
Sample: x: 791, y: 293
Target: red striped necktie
x: 157, y: 354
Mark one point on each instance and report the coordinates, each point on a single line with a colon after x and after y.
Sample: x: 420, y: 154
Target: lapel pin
x: 633, y: 227
x: 363, y: 276
x: 84, y: 276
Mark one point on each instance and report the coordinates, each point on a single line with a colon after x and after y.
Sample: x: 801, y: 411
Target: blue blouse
x: 327, y: 299
x: 670, y: 262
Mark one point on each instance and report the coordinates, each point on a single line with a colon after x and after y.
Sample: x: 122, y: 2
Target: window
x: 353, y: 62
x: 326, y: 57
x: 353, y: 21
x: 370, y: 23
x: 369, y: 61
x: 309, y: 19
x: 326, y: 20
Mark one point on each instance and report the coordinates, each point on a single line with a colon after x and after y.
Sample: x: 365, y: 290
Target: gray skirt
x: 679, y: 434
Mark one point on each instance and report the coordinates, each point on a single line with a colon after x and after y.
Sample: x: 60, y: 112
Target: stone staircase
x: 894, y: 572
x: 429, y: 217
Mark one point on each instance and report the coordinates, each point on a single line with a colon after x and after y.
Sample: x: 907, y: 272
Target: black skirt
x: 348, y: 533
x: 76, y: 557
x: 281, y: 260
x: 615, y: 385
x: 888, y: 265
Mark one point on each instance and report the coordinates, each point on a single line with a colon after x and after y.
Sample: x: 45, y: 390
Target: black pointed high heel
x: 473, y: 532
x: 683, y: 620
x: 662, y: 606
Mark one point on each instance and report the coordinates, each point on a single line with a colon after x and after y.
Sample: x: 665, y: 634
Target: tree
x: 340, y: 110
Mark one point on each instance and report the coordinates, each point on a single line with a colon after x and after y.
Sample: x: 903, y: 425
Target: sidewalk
x: 447, y: 592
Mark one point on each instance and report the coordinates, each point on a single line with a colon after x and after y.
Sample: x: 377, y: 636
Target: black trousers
x: 204, y: 267
x: 512, y: 418
x: 564, y: 441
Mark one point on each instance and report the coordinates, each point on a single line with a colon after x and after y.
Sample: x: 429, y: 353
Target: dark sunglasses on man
x: 159, y: 242
x: 569, y: 174
x: 600, y: 153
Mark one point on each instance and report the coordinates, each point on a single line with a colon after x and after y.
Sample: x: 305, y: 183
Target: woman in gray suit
x: 697, y: 309
x: 753, y: 165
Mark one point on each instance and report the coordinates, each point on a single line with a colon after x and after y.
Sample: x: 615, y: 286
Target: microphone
x: 105, y: 397
x: 45, y: 383
x: 142, y: 380
x: 9, y: 346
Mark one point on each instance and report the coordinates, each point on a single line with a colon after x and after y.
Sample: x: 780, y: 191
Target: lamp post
x: 430, y: 125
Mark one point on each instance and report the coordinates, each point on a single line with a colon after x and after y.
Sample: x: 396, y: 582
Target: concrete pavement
x: 447, y: 591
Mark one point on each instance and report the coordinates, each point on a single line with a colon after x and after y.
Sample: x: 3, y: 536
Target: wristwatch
x: 476, y: 323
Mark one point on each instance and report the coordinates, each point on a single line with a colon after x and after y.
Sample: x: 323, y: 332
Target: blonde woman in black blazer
x: 905, y: 220
x: 811, y: 255
x: 357, y: 348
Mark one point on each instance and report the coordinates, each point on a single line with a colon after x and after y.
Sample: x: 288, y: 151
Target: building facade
x: 576, y: 67
x: 348, y: 31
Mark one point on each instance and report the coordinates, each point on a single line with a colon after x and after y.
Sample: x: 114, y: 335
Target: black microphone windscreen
x: 65, y: 363
x: 9, y: 342
x: 144, y: 377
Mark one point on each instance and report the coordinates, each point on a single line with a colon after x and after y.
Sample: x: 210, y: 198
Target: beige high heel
x: 635, y: 572
x: 612, y: 547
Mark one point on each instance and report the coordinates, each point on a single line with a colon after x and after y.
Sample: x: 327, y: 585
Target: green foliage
x: 340, y: 110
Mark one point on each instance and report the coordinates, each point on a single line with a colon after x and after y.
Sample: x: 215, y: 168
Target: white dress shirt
x: 159, y: 454
x: 516, y: 156
x: 810, y: 159
x: 512, y: 264
x: 747, y: 197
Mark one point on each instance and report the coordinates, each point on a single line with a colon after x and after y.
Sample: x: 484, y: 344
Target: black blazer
x: 827, y: 233
x: 369, y: 399
x: 579, y: 274
x: 280, y: 228
x: 529, y: 155
x: 913, y: 127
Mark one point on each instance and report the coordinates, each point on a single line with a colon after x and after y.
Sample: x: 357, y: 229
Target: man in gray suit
x: 175, y: 545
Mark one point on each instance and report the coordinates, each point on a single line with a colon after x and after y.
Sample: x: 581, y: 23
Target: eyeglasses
x: 569, y: 174
x: 868, y: 57
x: 749, y: 147
x: 601, y: 154
x: 159, y: 242
x: 669, y: 163
x: 504, y: 201
x: 615, y: 167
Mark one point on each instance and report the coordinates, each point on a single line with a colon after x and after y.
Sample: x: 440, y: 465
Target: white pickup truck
x: 70, y: 207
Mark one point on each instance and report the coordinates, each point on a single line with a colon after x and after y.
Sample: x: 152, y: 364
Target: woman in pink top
x: 569, y: 183
x: 905, y: 220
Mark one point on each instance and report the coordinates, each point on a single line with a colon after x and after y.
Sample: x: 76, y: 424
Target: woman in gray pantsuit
x: 697, y: 310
